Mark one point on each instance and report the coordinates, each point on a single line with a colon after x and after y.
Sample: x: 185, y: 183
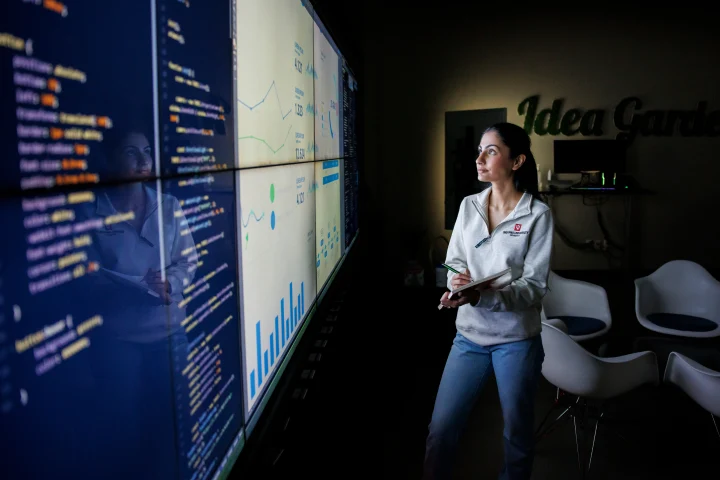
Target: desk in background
x: 627, y: 196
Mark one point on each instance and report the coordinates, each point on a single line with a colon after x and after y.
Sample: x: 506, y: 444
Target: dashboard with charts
x: 277, y: 234
x: 327, y: 218
x: 178, y: 203
x: 274, y: 82
x: 328, y: 76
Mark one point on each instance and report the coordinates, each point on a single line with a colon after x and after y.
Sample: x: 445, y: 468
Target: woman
x: 498, y: 327
x: 133, y: 247
x: 143, y: 234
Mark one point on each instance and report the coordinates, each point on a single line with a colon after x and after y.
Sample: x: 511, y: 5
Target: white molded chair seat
x: 697, y: 381
x: 582, y: 306
x: 679, y: 298
x: 573, y: 369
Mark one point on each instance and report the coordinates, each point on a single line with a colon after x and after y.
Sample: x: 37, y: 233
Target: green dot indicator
x: 272, y: 192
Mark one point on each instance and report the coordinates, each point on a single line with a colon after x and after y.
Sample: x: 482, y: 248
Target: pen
x: 449, y: 268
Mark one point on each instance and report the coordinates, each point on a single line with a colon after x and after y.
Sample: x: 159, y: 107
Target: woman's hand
x: 470, y: 296
x: 458, y: 300
x: 460, y: 279
x: 461, y: 298
x: 156, y: 284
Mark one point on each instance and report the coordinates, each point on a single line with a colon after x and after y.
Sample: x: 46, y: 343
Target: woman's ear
x: 518, y: 162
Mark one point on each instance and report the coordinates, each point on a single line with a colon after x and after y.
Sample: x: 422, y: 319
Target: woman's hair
x: 518, y: 141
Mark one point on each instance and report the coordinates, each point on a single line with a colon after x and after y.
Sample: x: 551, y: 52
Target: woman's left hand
x: 460, y: 299
x: 156, y: 283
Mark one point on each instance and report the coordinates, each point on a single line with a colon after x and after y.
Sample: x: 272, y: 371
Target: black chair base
x: 581, y: 413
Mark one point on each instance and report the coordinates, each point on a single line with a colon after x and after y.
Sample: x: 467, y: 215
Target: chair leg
x: 580, y: 417
x: 551, y: 428
x: 619, y: 435
x: 577, y: 448
x: 547, y: 415
x: 714, y: 423
x: 539, y: 432
x: 592, y: 449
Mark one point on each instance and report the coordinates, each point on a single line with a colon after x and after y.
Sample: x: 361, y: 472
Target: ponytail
x: 518, y: 141
x: 526, y: 177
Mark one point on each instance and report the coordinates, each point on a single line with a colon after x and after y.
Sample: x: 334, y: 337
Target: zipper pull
x: 482, y: 241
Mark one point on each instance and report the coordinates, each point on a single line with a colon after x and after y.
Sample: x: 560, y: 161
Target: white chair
x: 698, y: 382
x: 680, y: 298
x: 574, y: 370
x: 582, y: 306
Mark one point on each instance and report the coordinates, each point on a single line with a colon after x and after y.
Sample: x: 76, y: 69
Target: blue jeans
x: 517, y: 367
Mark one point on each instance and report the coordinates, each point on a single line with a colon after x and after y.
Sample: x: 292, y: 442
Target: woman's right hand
x: 460, y: 279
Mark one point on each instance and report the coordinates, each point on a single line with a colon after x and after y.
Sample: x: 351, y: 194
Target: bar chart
x: 289, y: 317
x: 277, y: 229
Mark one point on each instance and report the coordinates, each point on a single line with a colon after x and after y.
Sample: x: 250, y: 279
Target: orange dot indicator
x: 54, y: 5
x: 49, y: 100
x: 56, y: 133
x: 81, y: 149
x: 53, y: 84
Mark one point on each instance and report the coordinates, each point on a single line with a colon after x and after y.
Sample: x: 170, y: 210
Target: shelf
x: 569, y: 191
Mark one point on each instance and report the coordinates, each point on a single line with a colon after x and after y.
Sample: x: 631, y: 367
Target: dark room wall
x: 421, y: 63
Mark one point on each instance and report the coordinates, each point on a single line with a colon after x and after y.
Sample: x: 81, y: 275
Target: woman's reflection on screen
x: 147, y: 258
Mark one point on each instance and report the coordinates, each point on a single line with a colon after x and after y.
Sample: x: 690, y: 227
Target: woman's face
x: 493, y: 162
x: 133, y: 157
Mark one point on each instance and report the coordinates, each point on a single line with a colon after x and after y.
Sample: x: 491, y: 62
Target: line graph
x: 274, y: 49
x: 332, y: 133
x: 245, y: 224
x: 253, y: 215
x: 262, y: 140
x: 277, y: 95
x: 327, y: 121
